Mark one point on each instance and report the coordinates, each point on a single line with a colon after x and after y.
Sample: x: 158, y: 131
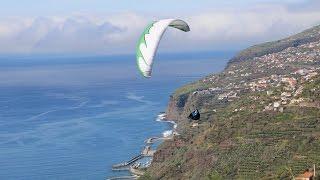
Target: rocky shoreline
x: 134, y: 165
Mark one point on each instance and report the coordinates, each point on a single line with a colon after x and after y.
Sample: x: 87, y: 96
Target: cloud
x: 48, y: 35
x: 72, y: 34
x: 223, y: 28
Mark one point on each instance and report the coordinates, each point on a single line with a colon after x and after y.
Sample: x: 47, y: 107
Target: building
x: 307, y: 175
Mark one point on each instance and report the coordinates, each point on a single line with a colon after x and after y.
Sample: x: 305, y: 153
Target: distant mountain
x: 307, y: 36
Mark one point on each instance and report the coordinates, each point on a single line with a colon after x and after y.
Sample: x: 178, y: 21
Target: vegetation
x: 260, y: 118
x: 245, y: 145
x: 309, y: 35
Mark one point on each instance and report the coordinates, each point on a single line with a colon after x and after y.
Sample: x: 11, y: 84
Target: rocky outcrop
x: 176, y: 107
x: 179, y: 107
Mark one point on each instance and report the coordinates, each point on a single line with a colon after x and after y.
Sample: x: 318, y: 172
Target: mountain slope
x: 260, y: 117
x: 307, y: 36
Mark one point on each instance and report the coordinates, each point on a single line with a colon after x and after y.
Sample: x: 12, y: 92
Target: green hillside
x: 307, y: 36
x: 260, y: 117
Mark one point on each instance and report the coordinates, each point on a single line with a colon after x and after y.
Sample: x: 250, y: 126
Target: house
x: 276, y: 104
x: 268, y: 108
x: 269, y: 93
x: 223, y: 96
x: 302, y: 72
x: 307, y: 175
x: 291, y: 81
x: 281, y: 109
x: 195, y: 125
x: 286, y: 94
x: 232, y: 95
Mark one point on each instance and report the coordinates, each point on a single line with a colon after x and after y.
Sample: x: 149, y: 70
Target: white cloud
x: 234, y: 28
x: 216, y: 29
x: 58, y: 35
x: 249, y: 26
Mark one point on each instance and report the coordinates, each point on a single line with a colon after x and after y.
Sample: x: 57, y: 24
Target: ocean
x: 73, y: 117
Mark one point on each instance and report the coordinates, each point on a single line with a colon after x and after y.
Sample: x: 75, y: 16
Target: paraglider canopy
x: 195, y: 115
x: 149, y: 41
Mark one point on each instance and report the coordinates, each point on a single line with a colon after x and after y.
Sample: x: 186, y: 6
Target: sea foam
x: 163, y: 118
x: 167, y: 133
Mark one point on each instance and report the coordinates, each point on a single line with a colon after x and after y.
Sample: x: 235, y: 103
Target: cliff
x: 260, y: 117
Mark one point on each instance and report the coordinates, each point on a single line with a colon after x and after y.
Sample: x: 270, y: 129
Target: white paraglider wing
x: 149, y: 41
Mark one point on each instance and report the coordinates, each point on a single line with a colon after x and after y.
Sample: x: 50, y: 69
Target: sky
x: 113, y: 27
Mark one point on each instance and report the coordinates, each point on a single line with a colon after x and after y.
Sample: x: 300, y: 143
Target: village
x: 287, y: 70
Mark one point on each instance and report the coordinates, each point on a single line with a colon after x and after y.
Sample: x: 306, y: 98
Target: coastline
x: 135, y: 166
x: 255, y: 119
x: 162, y: 117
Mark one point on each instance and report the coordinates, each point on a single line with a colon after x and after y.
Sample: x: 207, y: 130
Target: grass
x: 265, y: 144
x: 250, y: 143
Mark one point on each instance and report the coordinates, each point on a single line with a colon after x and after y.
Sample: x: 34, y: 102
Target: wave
x: 140, y: 99
x: 77, y: 106
x: 162, y: 117
x: 104, y: 103
x: 40, y: 115
x: 167, y: 133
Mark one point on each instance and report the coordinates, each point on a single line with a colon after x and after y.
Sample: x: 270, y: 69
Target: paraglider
x: 150, y: 39
x: 195, y: 115
x: 149, y: 42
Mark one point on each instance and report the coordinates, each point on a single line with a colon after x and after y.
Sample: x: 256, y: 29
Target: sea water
x: 68, y: 117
